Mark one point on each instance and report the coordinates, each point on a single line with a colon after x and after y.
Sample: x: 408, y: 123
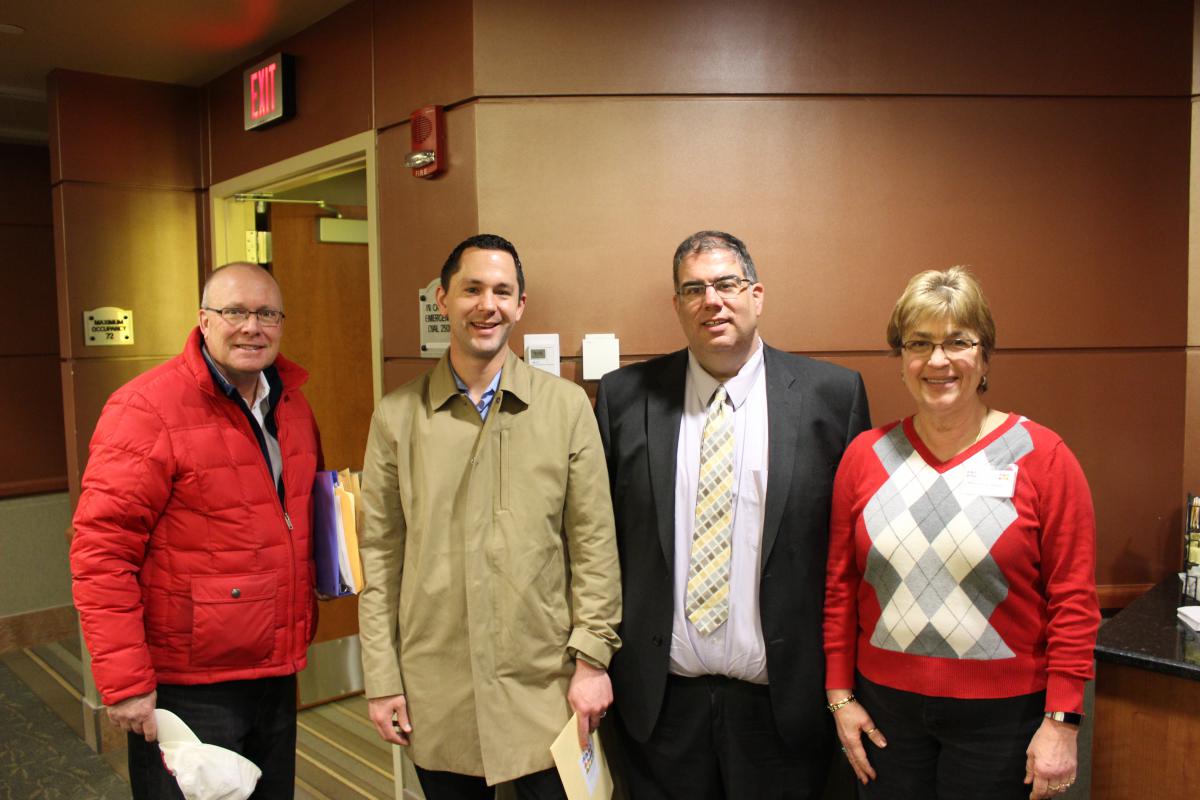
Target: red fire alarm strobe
x: 428, y: 130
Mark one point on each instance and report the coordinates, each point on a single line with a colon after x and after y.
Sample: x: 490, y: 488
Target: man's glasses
x: 267, y: 317
x: 923, y: 348
x: 728, y: 287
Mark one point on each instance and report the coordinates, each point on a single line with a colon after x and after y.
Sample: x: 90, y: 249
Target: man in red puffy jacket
x: 192, y: 559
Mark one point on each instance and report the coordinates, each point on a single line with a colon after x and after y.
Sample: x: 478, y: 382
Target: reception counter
x: 1147, y: 719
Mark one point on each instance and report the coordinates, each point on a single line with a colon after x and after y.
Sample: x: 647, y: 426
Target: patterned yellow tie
x: 712, y: 537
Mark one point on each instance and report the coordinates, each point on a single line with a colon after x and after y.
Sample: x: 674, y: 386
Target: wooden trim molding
x: 37, y: 627
x: 35, y: 486
x: 1119, y: 595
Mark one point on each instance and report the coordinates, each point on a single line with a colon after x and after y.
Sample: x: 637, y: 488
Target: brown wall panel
x: 118, y: 130
x: 25, y: 187
x: 87, y: 384
x: 423, y: 56
x: 32, y: 449
x: 333, y: 96
x: 30, y: 324
x: 1191, y: 437
x: 399, y: 371
x: 782, y: 46
x: 1095, y: 400
x: 1073, y: 212
x: 420, y: 223
x: 132, y: 248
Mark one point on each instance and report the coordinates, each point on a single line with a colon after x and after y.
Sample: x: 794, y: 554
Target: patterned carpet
x: 43, y: 757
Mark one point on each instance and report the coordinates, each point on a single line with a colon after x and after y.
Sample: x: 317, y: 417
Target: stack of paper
x: 335, y: 533
x: 1190, y: 616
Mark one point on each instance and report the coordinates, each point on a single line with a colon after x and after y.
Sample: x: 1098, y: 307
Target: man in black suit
x: 721, y: 460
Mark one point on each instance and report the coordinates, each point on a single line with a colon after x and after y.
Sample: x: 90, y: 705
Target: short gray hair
x: 708, y: 241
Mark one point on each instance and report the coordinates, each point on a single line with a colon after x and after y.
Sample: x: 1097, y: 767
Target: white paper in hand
x: 203, y: 771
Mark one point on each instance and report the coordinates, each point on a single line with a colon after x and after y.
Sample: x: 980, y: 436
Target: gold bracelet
x: 845, y: 701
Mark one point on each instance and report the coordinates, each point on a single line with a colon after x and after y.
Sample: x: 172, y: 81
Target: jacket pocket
x: 233, y: 619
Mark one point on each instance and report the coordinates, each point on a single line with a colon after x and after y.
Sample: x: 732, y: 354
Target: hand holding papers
x: 584, y: 773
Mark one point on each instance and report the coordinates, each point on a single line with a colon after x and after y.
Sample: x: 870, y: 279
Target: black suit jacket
x: 814, y: 410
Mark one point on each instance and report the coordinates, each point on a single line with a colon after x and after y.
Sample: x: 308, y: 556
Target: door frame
x: 360, y: 147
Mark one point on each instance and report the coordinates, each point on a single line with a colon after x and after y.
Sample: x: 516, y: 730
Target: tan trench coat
x: 489, y: 555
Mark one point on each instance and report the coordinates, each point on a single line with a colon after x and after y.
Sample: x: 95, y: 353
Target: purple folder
x: 325, y: 538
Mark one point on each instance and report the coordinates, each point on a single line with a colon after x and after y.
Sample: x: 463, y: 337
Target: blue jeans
x: 256, y: 718
x: 944, y: 748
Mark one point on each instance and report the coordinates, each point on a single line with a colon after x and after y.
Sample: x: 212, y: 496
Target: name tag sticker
x: 992, y: 482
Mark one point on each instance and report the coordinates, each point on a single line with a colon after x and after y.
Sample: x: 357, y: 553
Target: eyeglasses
x: 727, y: 287
x: 924, y: 348
x: 267, y: 317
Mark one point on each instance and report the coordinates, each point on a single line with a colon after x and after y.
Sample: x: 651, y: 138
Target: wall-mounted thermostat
x: 541, y: 351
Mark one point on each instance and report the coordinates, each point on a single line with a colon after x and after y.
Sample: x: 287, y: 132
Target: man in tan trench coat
x: 492, y: 581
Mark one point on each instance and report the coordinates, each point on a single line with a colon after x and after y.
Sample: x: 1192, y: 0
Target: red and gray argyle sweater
x: 943, y: 582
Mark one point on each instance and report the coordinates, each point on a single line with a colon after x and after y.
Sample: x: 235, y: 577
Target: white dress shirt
x: 735, y: 649
x: 259, y: 409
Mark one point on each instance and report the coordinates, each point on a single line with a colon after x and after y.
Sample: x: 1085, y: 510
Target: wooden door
x: 326, y: 297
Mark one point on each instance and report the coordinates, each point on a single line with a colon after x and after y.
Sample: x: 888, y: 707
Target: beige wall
x: 33, y: 573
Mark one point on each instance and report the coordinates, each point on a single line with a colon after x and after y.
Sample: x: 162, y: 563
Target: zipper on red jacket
x: 291, y: 544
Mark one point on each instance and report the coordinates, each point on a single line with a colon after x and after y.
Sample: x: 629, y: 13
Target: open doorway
x: 310, y: 220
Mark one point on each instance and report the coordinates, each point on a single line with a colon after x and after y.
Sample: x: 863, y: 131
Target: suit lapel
x: 783, y: 413
x: 664, y: 410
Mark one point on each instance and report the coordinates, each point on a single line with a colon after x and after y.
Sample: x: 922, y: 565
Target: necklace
x: 987, y: 412
x: 929, y: 439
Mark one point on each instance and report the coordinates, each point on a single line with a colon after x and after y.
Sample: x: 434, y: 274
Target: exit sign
x: 268, y: 95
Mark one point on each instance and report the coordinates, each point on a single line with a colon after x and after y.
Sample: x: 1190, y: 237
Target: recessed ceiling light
x: 15, y: 30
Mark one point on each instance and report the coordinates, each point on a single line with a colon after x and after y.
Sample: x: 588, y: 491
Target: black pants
x: 716, y: 738
x: 544, y: 785
x: 943, y: 748
x: 256, y: 718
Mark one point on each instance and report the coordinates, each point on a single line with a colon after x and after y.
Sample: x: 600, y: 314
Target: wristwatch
x: 1069, y: 717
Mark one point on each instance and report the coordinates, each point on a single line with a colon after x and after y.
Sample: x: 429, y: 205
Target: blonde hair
x: 953, y: 294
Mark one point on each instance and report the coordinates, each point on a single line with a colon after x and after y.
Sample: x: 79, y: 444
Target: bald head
x: 233, y: 272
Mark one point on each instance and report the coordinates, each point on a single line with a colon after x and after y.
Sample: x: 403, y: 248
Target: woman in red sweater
x: 960, y: 606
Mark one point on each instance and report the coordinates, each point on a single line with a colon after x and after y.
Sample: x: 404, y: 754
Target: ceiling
x: 174, y: 41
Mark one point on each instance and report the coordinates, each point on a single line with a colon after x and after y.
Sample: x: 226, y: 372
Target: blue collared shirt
x: 485, y: 402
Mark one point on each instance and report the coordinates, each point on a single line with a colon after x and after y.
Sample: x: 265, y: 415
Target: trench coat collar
x: 514, y: 380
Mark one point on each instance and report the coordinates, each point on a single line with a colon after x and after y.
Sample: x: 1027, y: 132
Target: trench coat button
x: 236, y: 593
x: 656, y: 640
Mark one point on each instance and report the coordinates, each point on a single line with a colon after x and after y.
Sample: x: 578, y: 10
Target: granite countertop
x: 1148, y: 634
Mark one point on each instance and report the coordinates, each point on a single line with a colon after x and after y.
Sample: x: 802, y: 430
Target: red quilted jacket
x: 186, y: 568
